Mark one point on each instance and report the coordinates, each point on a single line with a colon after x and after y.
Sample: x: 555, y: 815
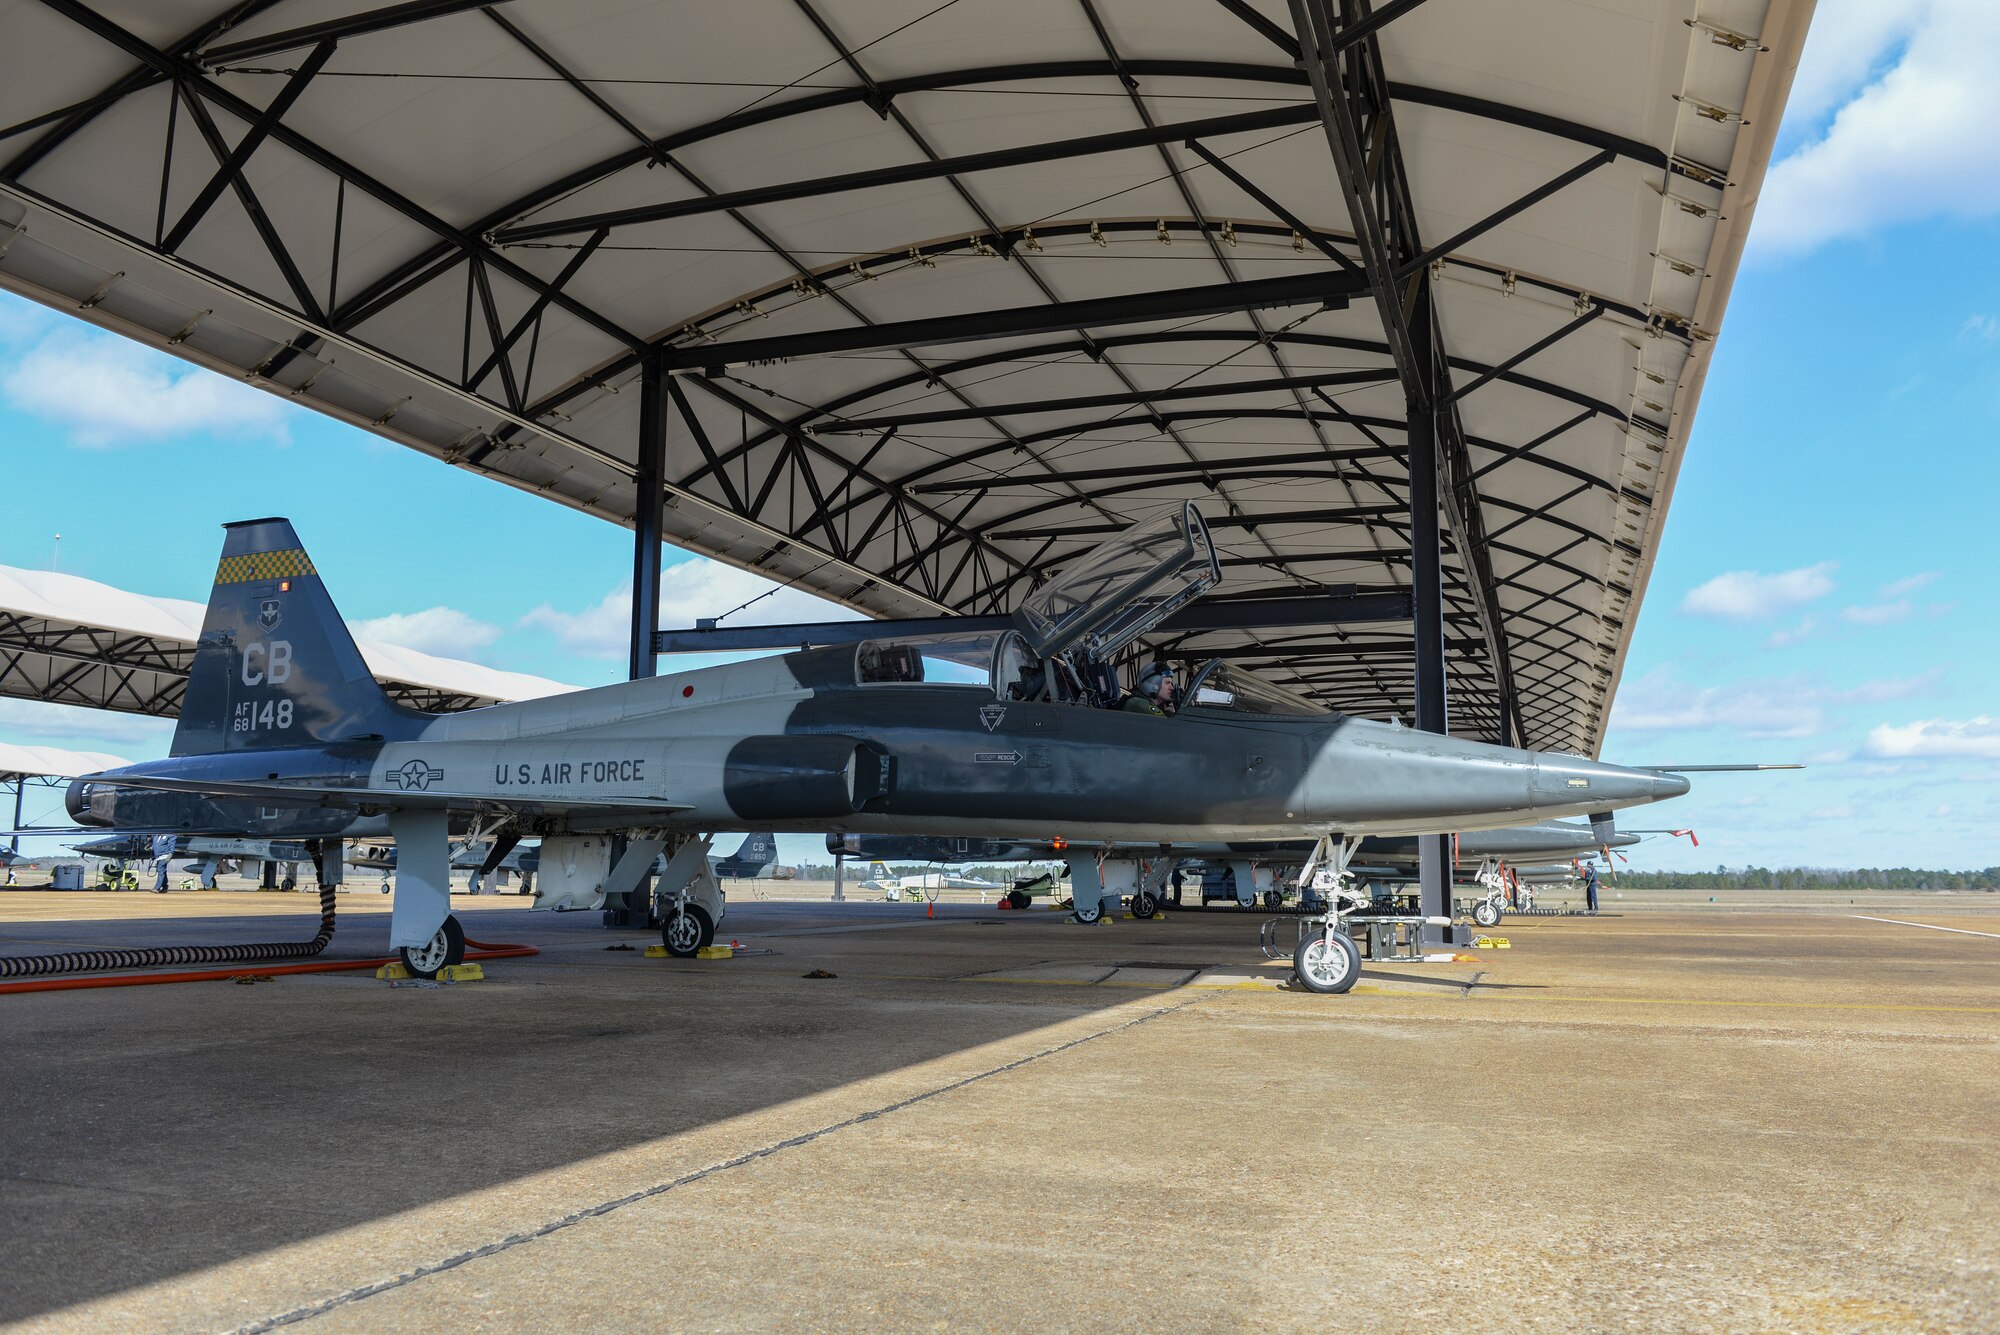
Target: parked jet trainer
x: 283, y: 732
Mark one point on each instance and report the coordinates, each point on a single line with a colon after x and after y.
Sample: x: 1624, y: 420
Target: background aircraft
x: 882, y: 879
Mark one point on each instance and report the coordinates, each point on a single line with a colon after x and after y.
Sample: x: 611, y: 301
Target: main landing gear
x: 688, y: 928
x: 440, y: 952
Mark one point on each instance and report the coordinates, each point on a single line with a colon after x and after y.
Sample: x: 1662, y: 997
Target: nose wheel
x: 688, y: 929
x: 1486, y: 913
x: 1327, y: 961
x: 1145, y: 904
x: 444, y: 949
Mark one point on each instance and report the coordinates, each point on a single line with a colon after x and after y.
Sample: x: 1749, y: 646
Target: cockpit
x: 1067, y: 635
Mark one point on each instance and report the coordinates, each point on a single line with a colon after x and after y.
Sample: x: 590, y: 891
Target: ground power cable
x: 93, y: 961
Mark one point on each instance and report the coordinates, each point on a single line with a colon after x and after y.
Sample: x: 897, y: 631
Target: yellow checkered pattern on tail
x: 253, y: 566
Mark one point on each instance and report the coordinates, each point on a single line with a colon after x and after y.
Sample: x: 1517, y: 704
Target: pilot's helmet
x: 1151, y: 679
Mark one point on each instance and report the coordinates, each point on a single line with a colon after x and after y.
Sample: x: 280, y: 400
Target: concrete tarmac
x: 1659, y: 1121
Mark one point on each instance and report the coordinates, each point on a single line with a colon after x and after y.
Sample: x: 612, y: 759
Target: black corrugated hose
x: 85, y: 961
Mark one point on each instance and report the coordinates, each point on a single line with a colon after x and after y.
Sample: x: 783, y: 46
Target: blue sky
x: 1821, y: 594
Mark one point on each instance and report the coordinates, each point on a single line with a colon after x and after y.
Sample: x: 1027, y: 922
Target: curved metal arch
x: 190, y: 76
x: 999, y: 74
x: 831, y: 409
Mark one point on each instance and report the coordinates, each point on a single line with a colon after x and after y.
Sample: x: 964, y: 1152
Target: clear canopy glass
x: 1221, y: 685
x: 942, y: 660
x: 1112, y: 595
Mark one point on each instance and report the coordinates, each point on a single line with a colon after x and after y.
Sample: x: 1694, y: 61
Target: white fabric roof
x: 53, y: 761
x: 432, y: 237
x: 77, y: 641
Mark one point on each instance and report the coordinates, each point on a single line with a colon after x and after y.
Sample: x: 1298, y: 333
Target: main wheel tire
x: 1145, y: 904
x: 1325, y: 968
x: 445, y: 949
x: 687, y: 931
x: 1486, y: 913
x: 1274, y: 900
x: 1089, y: 915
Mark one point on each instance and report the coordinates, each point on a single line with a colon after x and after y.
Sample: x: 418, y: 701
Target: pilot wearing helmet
x: 1154, y: 692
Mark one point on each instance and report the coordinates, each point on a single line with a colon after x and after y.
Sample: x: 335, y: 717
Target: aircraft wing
x: 316, y: 795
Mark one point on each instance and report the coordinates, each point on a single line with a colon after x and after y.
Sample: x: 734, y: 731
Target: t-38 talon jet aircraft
x: 283, y: 732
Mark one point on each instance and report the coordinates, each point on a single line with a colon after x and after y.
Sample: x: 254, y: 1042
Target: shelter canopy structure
x: 73, y: 641
x: 910, y: 303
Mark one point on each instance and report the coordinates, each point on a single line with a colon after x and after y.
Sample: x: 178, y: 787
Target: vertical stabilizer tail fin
x: 759, y: 850
x: 275, y: 665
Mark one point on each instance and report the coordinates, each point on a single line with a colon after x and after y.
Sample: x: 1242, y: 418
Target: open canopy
x: 927, y: 297
x: 1110, y: 596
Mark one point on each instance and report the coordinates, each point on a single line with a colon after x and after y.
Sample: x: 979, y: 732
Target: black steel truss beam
x: 190, y: 75
x: 1492, y: 220
x: 1079, y: 402
x: 1208, y: 616
x: 253, y: 208
x: 1299, y: 226
x: 1352, y: 514
x: 1024, y: 155
x: 231, y: 169
x: 1016, y: 321
x: 334, y: 30
x: 1539, y: 346
x: 1374, y: 184
x: 1290, y: 463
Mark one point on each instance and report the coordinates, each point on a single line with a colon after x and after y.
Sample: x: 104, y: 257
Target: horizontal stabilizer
x: 311, y: 795
x: 1712, y: 769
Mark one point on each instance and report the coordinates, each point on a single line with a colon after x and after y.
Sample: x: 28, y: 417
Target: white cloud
x: 1790, y: 635
x: 1879, y: 614
x: 445, y: 631
x: 601, y: 631
x: 1751, y: 595
x: 1909, y: 584
x: 1777, y: 708
x: 1847, y: 46
x: 1979, y: 328
x: 23, y: 321
x: 1915, y: 143
x: 689, y: 591
x: 82, y: 729
x: 1976, y: 738
x: 111, y: 391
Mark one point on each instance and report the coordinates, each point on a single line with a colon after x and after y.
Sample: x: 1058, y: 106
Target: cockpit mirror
x: 1109, y: 597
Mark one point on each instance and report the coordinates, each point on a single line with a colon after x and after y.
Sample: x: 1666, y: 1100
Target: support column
x: 633, y: 908
x: 651, y: 456
x: 20, y: 790
x: 1427, y: 601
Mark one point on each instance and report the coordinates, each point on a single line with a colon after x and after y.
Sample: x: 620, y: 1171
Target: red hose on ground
x: 484, y: 951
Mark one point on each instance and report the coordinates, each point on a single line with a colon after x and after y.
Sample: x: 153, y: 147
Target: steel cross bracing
x: 101, y: 668
x: 816, y: 479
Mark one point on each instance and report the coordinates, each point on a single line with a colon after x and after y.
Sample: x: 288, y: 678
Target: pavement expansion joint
x: 598, y: 1211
